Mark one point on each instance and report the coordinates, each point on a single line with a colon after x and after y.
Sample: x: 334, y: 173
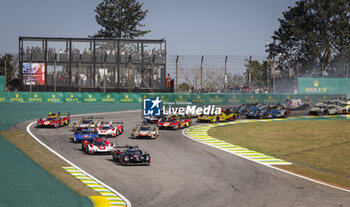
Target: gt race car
x: 131, y: 155
x: 54, y: 120
x: 145, y: 130
x: 84, y: 135
x: 98, y: 145
x: 110, y: 129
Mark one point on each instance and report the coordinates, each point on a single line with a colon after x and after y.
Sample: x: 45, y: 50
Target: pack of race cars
x: 93, y: 132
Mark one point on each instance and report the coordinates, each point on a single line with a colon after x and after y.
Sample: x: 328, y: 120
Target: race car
x: 273, y: 113
x: 131, y: 155
x: 90, y: 122
x: 84, y: 134
x: 98, y: 145
x: 54, y: 120
x: 152, y: 119
x: 145, y: 130
x: 174, y: 122
x: 111, y: 129
x: 297, y: 103
x: 223, y: 116
x: 319, y: 109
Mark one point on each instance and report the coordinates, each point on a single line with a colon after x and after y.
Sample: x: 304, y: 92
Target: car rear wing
x: 127, y: 146
x: 64, y: 114
x: 115, y: 122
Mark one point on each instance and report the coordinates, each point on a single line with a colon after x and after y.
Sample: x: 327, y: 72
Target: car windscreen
x: 85, y: 132
x: 106, y: 127
x: 99, y: 143
x: 133, y: 152
x: 86, y: 121
x: 145, y: 128
x: 50, y: 119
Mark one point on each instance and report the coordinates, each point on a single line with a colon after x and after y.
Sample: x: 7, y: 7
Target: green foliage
x: 314, y: 34
x: 120, y: 19
x: 185, y: 87
x: 260, y: 72
x: 9, y: 67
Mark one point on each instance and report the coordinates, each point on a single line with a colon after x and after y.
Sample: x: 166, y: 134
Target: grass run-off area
x: 317, y: 149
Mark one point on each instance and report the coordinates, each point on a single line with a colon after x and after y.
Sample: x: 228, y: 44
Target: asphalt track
x: 187, y: 173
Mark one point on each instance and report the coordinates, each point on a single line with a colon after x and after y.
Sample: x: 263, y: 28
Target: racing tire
x: 82, y: 147
x: 326, y: 113
x: 148, y: 163
x: 178, y: 127
x: 285, y: 115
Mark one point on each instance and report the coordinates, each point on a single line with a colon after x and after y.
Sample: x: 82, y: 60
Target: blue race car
x: 84, y: 135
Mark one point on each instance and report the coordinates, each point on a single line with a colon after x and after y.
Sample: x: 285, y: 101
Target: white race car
x: 110, y: 130
x: 99, y: 146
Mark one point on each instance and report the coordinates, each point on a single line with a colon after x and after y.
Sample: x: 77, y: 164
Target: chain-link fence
x: 209, y: 73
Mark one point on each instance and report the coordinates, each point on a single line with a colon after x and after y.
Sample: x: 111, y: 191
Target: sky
x: 190, y: 27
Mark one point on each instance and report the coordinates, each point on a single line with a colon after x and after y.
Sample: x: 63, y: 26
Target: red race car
x: 54, y: 120
x: 174, y: 122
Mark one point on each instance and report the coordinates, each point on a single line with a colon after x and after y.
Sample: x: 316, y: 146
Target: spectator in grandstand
x: 168, y: 81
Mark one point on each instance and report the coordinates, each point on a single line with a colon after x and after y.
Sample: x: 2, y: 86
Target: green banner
x: 167, y: 98
x: 324, y: 86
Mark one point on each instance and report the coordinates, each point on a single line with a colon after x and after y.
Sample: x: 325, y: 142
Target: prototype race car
x: 297, y: 103
x: 152, y: 119
x: 174, y: 122
x: 111, y: 129
x: 97, y: 145
x: 54, y: 120
x: 223, y: 116
x: 87, y: 122
x: 319, y: 109
x: 84, y: 135
x: 145, y: 130
x: 131, y: 155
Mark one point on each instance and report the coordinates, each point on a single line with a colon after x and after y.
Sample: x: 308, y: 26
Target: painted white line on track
x: 128, y: 203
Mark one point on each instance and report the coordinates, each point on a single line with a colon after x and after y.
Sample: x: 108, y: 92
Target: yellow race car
x: 223, y: 116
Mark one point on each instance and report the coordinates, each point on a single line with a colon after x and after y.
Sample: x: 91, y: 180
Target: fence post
x: 225, y: 78
x: 54, y: 74
x: 177, y: 74
x: 31, y: 71
x: 79, y: 73
x: 153, y: 59
x: 202, y: 74
x: 104, y: 72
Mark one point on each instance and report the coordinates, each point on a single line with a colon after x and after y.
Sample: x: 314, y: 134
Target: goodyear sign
x: 324, y: 86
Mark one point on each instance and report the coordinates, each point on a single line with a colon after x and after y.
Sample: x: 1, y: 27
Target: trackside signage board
x: 168, y: 99
x: 324, y: 86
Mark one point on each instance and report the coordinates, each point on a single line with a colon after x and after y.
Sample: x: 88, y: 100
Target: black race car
x: 130, y: 155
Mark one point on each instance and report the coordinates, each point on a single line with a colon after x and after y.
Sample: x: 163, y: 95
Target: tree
x: 120, y: 19
x: 260, y: 73
x: 9, y: 67
x: 314, y: 35
x: 184, y: 87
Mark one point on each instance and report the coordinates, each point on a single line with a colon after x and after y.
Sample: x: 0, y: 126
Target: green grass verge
x: 317, y: 149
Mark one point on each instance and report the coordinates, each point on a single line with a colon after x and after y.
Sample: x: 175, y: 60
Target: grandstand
x: 92, y: 65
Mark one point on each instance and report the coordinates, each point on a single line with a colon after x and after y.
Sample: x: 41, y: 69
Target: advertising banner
x: 324, y: 86
x: 33, y: 74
